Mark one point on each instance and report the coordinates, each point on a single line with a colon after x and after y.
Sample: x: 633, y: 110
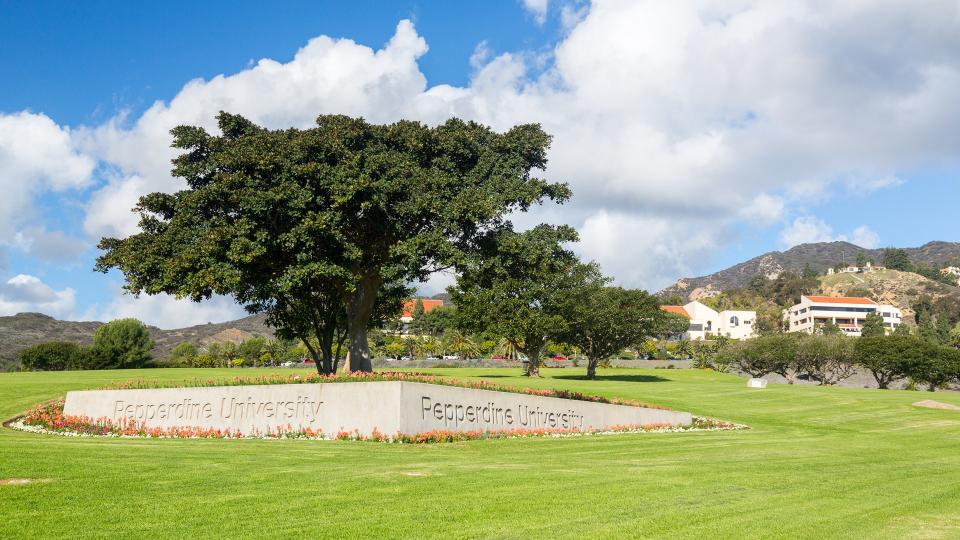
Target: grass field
x: 816, y: 463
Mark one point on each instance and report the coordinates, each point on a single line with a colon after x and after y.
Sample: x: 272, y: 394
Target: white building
x: 855, y: 269
x: 706, y: 322
x: 849, y: 313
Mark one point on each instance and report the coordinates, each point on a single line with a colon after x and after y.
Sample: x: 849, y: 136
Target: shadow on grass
x: 618, y: 378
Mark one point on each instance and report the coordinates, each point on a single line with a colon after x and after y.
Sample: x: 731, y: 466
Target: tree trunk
x: 533, y: 357
x: 359, y: 309
x: 592, y: 368
x: 318, y: 358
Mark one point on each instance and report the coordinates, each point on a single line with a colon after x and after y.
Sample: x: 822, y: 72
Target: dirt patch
x: 23, y: 481
x: 931, y: 404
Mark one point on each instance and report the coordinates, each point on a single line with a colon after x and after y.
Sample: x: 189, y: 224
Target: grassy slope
x: 819, y: 462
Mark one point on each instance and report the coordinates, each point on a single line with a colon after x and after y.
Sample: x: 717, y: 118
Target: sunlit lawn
x: 816, y: 463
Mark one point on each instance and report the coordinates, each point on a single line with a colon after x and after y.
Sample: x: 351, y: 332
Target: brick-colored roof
x: 841, y: 300
x: 428, y: 305
x: 676, y: 309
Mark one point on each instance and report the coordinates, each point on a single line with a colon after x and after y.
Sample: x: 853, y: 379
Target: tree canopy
x: 520, y: 287
x: 313, y: 226
x: 604, y: 320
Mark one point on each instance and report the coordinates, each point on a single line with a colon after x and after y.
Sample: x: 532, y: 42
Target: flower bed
x: 376, y: 376
x: 49, y: 418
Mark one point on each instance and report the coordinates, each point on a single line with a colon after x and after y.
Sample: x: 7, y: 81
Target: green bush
x: 53, y: 356
x: 120, y: 344
x: 892, y: 357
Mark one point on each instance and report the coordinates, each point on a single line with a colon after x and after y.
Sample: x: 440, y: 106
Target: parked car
x: 406, y: 358
x: 558, y: 358
x: 287, y: 364
x: 450, y: 357
x: 432, y: 358
x: 498, y: 357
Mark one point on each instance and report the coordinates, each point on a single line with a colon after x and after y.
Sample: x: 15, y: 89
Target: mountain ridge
x: 819, y: 256
x: 17, y: 332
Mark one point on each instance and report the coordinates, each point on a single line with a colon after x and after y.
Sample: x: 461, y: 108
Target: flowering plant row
x: 49, y: 418
x: 376, y: 376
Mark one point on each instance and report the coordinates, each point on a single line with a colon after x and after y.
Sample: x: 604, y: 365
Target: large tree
x: 605, y: 320
x: 300, y: 223
x: 520, y: 288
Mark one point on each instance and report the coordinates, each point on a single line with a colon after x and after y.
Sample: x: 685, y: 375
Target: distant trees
x: 786, y: 288
x: 830, y: 359
x: 119, y: 344
x: 896, y: 259
x: 434, y: 322
x: 54, y: 356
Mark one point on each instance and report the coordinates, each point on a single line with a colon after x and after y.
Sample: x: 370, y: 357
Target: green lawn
x: 817, y: 463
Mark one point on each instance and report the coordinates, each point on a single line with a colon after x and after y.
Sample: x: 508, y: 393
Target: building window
x: 734, y: 321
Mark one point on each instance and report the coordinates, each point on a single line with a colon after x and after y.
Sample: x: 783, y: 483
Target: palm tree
x: 508, y: 349
x: 460, y: 344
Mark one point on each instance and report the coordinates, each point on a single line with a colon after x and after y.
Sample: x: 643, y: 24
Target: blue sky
x: 694, y: 137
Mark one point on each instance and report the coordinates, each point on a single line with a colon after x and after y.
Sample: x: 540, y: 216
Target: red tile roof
x: 841, y: 300
x: 676, y: 309
x: 428, y: 305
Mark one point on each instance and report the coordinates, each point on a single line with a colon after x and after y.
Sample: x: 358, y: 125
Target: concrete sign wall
x: 390, y: 407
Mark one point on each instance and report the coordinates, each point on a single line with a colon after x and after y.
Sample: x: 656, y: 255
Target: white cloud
x: 36, y: 155
x: 644, y: 251
x: 50, y: 246
x: 864, y: 237
x: 325, y: 76
x: 167, y: 312
x: 807, y: 229
x: 672, y: 121
x: 537, y: 8
x: 26, y: 293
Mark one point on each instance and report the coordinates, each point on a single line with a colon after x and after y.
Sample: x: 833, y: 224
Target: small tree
x: 873, y: 326
x: 519, y: 288
x: 826, y: 359
x: 888, y: 357
x: 605, y: 320
x: 955, y: 336
x: 829, y: 328
x: 122, y: 344
x: 774, y: 353
x: 183, y: 354
x: 418, y: 309
x: 934, y: 366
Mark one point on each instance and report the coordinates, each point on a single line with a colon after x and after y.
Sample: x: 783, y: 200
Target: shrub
x: 123, y: 343
x: 53, y: 356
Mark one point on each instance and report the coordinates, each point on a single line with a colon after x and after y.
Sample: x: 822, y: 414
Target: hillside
x: 818, y: 256
x: 27, y: 329
x: 900, y: 289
